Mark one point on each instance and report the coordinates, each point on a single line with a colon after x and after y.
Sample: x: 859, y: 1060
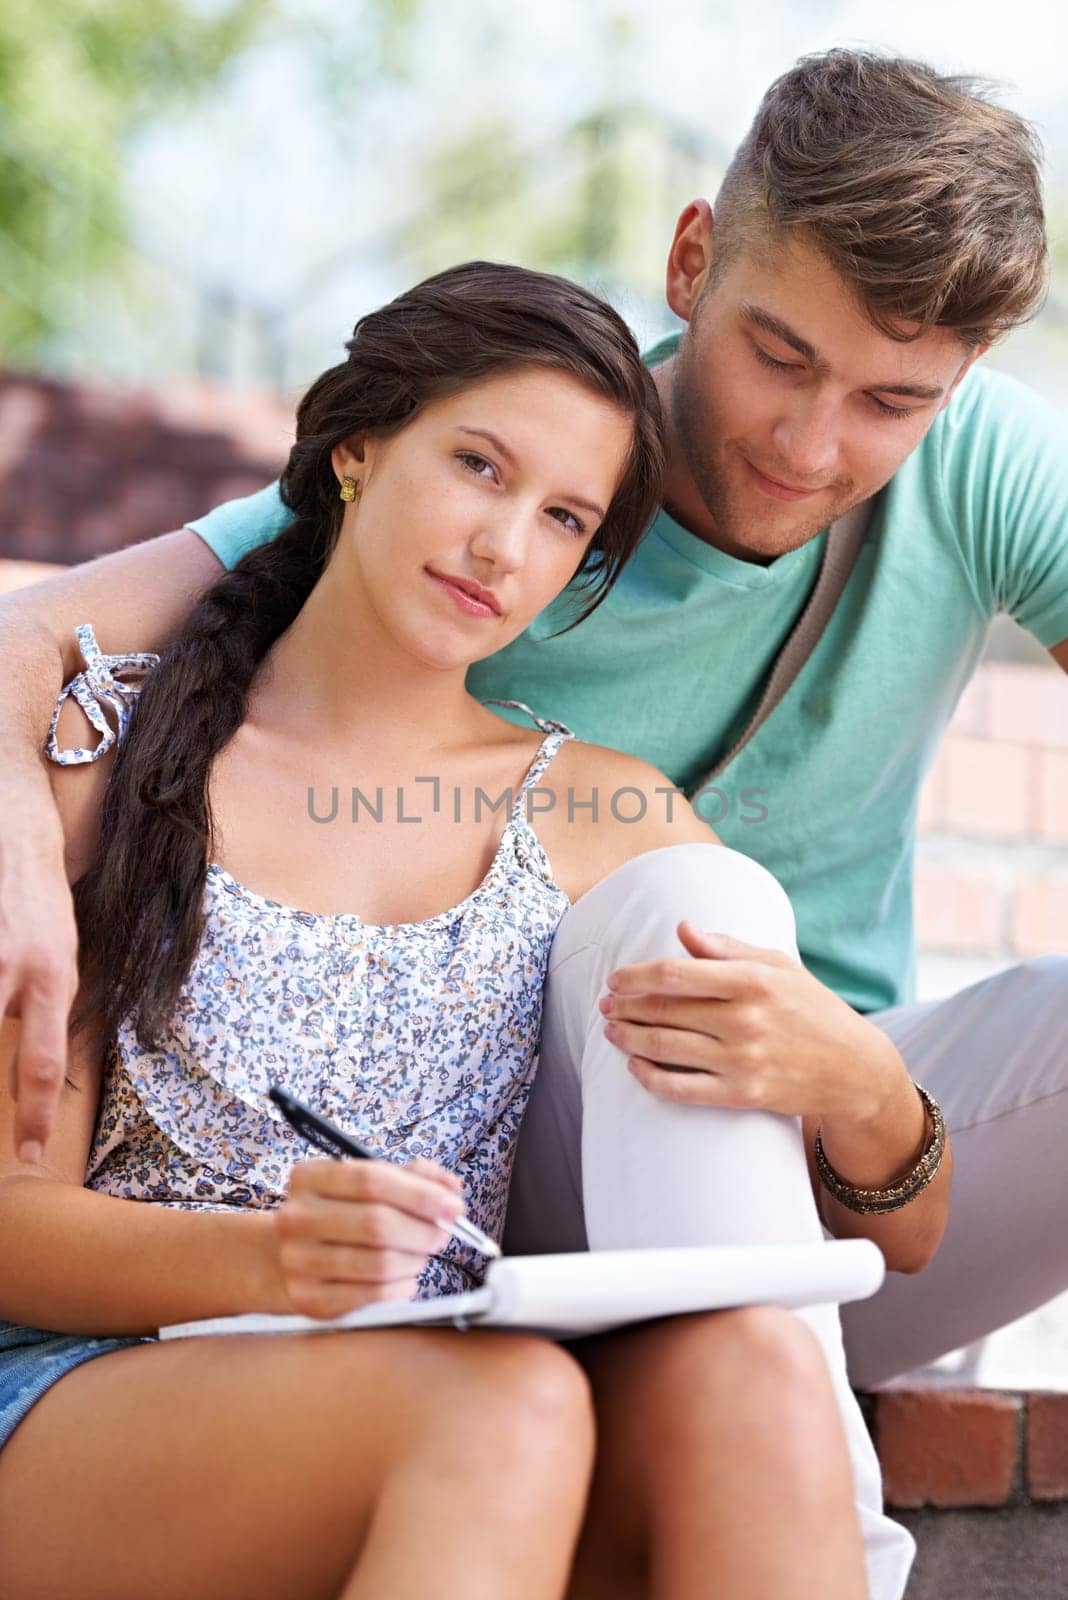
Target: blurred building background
x: 198, y: 198
x: 216, y: 189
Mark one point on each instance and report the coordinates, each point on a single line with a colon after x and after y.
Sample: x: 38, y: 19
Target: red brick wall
x: 965, y: 1447
x: 85, y: 469
x: 992, y: 865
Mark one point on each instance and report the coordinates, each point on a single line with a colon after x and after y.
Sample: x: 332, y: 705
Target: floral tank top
x: 418, y: 1039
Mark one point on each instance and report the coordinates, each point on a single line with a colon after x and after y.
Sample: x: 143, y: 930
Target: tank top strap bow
x: 546, y: 724
x: 557, y: 733
x: 98, y: 689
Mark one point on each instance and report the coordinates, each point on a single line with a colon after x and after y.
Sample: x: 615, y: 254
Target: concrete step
x: 980, y: 1479
x: 1017, y: 1553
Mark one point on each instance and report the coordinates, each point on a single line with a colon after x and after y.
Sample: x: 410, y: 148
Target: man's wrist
x: 32, y: 831
x: 32, y: 843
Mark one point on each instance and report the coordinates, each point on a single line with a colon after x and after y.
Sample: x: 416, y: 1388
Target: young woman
x: 255, y: 903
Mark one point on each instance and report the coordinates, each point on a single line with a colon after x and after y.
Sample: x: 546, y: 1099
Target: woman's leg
x: 403, y: 1463
x: 722, y: 1466
x: 602, y: 1161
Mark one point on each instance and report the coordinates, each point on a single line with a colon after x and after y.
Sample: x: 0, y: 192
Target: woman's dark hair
x: 139, y: 906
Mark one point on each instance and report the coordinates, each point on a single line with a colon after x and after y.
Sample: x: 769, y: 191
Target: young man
x: 877, y: 230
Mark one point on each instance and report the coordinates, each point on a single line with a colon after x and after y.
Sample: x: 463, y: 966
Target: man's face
x: 788, y: 406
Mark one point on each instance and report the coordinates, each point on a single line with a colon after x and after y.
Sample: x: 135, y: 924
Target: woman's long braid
x: 156, y: 825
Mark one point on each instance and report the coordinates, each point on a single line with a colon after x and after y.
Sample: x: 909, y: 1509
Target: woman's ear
x: 349, y: 458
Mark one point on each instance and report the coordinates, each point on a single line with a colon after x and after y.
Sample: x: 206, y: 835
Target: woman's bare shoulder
x: 610, y: 807
x: 666, y: 814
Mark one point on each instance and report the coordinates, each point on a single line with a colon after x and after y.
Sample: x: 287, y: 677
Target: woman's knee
x: 758, y: 1368
x: 519, y: 1395
x: 770, y: 1343
x: 525, y: 1405
x: 312, y: 1433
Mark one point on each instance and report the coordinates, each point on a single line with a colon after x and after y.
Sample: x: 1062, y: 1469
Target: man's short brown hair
x: 922, y: 193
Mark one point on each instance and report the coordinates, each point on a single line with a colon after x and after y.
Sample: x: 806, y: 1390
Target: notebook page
x: 567, y: 1296
x: 570, y: 1295
x: 382, y: 1314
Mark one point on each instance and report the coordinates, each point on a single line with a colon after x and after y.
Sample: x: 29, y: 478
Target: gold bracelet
x: 899, y: 1194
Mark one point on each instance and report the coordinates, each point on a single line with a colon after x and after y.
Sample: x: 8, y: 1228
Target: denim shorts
x: 33, y: 1359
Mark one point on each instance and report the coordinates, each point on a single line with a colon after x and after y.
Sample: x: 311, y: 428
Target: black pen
x: 324, y: 1136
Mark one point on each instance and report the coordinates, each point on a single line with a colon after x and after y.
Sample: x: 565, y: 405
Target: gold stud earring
x: 349, y: 487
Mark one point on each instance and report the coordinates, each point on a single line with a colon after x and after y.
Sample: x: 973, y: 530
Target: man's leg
x: 995, y: 1057
x: 602, y: 1159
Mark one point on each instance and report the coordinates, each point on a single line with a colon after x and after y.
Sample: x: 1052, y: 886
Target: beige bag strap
x: 844, y: 539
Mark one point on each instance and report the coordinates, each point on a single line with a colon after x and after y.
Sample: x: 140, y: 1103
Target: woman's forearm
x: 80, y: 1262
x: 879, y: 1151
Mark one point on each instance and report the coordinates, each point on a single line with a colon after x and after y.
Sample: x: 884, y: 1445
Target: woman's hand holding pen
x: 351, y: 1232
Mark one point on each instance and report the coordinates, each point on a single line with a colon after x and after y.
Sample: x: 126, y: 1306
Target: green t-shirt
x: 671, y: 665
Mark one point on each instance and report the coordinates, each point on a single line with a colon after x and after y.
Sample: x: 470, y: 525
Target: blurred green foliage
x: 76, y: 78
x: 371, y: 43
x: 598, y: 202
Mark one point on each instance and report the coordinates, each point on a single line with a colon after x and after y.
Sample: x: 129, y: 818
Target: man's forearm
x: 135, y: 600
x: 33, y: 671
x: 38, y: 937
x: 80, y: 1262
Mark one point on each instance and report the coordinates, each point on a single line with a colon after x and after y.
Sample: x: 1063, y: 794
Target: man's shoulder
x: 996, y: 436
x: 235, y: 527
x: 990, y: 482
x: 992, y: 401
x: 662, y: 348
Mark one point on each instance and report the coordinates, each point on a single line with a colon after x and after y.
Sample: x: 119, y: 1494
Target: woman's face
x: 501, y: 486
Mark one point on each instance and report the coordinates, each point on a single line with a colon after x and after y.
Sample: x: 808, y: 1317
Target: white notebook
x: 567, y: 1296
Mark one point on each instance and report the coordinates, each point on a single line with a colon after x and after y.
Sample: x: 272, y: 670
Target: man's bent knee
x: 633, y: 911
x: 1048, y: 975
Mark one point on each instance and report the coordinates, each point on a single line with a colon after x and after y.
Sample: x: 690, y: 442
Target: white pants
x: 604, y: 1164
x: 995, y: 1057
